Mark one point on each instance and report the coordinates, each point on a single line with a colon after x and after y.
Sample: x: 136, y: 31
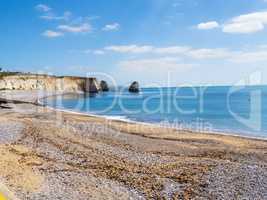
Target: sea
x: 238, y: 110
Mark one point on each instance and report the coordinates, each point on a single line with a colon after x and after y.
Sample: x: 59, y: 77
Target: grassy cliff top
x: 4, y: 74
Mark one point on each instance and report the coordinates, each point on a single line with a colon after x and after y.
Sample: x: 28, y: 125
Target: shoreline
x: 37, y: 101
x: 106, y: 117
x: 128, y: 121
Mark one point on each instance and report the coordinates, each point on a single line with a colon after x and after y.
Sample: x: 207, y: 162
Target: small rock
x: 104, y: 86
x: 134, y: 87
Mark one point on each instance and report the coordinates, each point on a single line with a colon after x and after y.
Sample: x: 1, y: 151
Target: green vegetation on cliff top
x: 4, y: 74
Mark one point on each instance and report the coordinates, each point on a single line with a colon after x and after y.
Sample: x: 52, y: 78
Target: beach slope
x: 48, y: 154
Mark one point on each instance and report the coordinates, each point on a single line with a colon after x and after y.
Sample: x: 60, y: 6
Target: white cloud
x: 162, y: 67
x: 245, y: 28
x: 167, y: 65
x: 111, y: 27
x: 95, y: 52
x: 171, y: 50
x: 130, y: 49
x: 208, y: 25
x: 208, y: 53
x: 153, y: 62
x: 98, y: 52
x: 164, y: 63
x: 242, y: 24
x: 147, y: 49
x: 43, y: 8
x: 52, y: 34
x: 83, y: 28
x: 262, y: 46
x: 51, y: 16
x: 244, y: 56
x: 258, y: 54
x: 248, y: 23
x: 249, y: 57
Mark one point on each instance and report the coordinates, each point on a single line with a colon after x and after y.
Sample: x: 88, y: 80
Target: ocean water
x: 236, y: 110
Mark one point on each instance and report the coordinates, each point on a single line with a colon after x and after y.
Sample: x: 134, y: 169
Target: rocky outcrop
x: 91, y: 85
x: 134, y: 87
x: 49, y: 83
x: 104, y: 86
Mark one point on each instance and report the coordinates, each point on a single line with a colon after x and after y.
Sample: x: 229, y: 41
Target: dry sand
x: 47, y: 154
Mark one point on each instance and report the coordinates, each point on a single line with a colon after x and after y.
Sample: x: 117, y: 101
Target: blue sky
x: 162, y: 42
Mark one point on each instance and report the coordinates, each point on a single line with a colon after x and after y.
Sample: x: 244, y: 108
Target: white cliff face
x: 48, y: 83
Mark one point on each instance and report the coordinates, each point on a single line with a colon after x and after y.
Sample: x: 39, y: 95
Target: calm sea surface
x: 238, y: 110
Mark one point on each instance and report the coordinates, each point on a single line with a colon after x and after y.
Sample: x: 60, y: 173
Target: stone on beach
x: 10, y: 131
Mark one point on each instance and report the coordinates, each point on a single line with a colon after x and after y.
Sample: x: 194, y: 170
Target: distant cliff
x: 49, y: 83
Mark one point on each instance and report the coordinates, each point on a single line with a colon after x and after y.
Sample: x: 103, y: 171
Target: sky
x: 156, y: 42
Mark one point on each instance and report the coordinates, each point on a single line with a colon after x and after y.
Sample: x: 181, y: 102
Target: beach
x: 52, y: 154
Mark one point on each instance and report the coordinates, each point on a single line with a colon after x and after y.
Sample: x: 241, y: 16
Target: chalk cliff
x: 49, y: 83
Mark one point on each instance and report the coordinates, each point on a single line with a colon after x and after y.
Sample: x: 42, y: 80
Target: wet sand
x: 48, y: 154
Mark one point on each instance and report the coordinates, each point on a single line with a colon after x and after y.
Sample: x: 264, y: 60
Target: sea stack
x: 134, y: 87
x: 104, y: 86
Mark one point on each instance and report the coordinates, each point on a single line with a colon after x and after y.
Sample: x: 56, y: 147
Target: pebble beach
x: 50, y: 154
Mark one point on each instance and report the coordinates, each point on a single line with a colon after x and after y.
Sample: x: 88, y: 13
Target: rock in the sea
x: 134, y: 87
x: 104, y: 86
